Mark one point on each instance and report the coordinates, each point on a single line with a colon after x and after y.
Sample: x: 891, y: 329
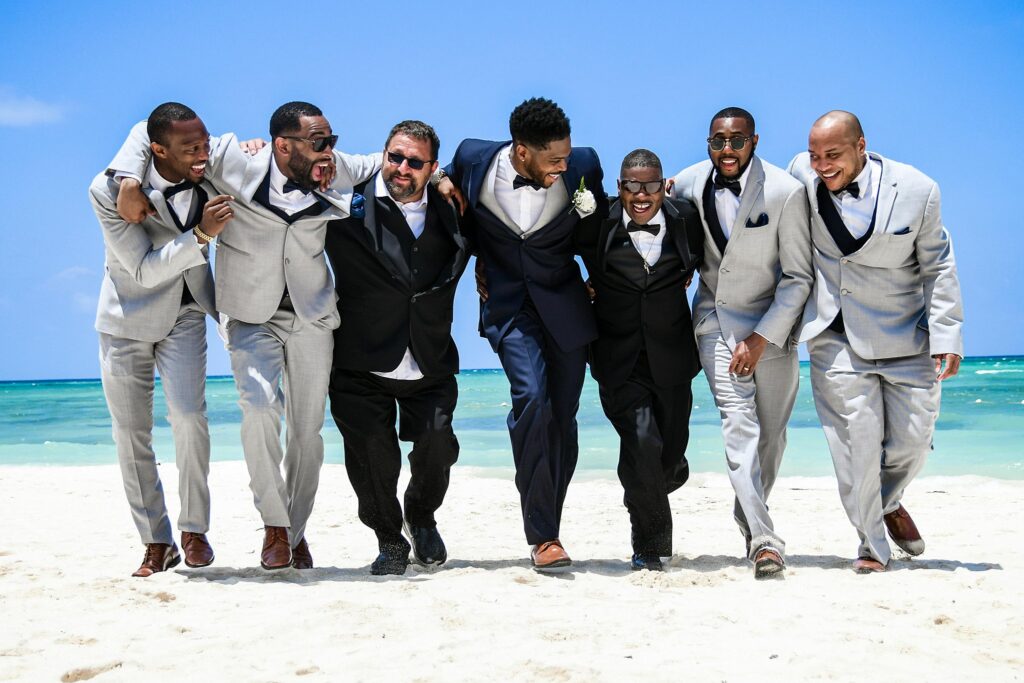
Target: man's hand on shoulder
x: 452, y: 194
x: 252, y: 147
x: 132, y: 203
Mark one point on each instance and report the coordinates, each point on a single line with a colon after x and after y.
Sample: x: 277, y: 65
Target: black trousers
x: 364, y: 408
x: 653, y: 424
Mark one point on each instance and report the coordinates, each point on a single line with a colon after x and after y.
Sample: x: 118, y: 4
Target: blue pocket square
x: 903, y: 231
x: 358, y: 207
x: 761, y: 221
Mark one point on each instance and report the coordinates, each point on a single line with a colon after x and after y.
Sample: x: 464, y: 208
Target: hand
x: 952, y: 365
x: 328, y: 177
x: 451, y: 193
x: 481, y: 280
x: 252, y: 147
x: 132, y: 203
x: 669, y: 184
x: 591, y: 294
x: 217, y: 212
x: 747, y: 354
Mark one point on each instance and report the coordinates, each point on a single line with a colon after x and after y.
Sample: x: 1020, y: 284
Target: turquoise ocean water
x: 980, y: 430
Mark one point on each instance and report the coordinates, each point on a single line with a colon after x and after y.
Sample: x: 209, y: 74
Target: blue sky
x: 937, y: 85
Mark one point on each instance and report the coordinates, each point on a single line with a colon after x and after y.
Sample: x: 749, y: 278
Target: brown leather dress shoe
x: 868, y: 565
x: 903, y: 531
x: 550, y: 556
x: 198, y: 552
x: 301, y: 557
x: 277, y: 552
x: 159, y: 557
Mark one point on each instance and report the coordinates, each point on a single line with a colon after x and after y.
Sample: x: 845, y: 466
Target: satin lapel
x: 751, y: 194
x: 385, y: 245
x: 446, y: 214
x: 676, y: 228
x: 606, y: 236
x: 478, y: 172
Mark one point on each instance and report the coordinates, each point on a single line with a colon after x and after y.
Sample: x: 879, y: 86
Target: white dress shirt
x: 290, y: 202
x: 857, y: 211
x: 180, y: 203
x: 648, y: 245
x: 727, y: 204
x: 416, y: 216
x: 523, y: 206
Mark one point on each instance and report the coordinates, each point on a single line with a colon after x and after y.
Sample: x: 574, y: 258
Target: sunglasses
x: 650, y: 187
x: 318, y: 144
x: 414, y: 164
x: 737, y: 142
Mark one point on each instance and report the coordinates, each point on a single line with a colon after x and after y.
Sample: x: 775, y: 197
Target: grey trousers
x: 126, y: 369
x: 755, y: 410
x: 879, y: 419
x: 283, y: 367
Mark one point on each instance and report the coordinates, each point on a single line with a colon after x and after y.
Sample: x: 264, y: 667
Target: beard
x: 302, y: 172
x: 398, y: 192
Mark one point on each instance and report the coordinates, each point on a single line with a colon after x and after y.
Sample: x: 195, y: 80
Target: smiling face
x: 297, y: 159
x: 185, y: 152
x: 837, y: 153
x: 641, y: 206
x: 404, y: 183
x: 729, y: 162
x: 542, y: 165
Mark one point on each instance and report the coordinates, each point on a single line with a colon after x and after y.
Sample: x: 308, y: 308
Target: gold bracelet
x: 202, y: 235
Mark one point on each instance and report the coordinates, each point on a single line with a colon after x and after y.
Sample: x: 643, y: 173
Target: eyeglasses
x: 650, y: 187
x: 318, y: 144
x: 415, y: 164
x: 737, y: 142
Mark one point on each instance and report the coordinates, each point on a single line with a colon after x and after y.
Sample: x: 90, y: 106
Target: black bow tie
x: 726, y: 184
x: 180, y: 187
x: 652, y: 228
x: 520, y: 181
x: 291, y: 186
x: 853, y: 188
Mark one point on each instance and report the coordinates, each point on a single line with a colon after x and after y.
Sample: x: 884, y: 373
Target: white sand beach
x: 71, y: 611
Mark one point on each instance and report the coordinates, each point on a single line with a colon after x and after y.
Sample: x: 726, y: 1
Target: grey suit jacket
x: 259, y: 253
x: 900, y: 292
x: 146, y: 267
x: 762, y: 281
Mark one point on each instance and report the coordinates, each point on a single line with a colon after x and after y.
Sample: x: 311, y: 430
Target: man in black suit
x: 396, y: 265
x: 640, y: 260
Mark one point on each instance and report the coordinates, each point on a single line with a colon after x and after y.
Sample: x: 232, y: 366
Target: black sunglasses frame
x: 318, y: 144
x: 718, y: 144
x: 415, y: 164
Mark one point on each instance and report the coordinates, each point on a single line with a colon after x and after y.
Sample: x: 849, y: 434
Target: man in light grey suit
x: 274, y: 286
x: 754, y: 280
x: 152, y: 310
x: 884, y: 317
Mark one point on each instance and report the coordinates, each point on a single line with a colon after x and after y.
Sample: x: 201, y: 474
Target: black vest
x: 426, y: 256
x: 195, y: 217
x: 623, y: 258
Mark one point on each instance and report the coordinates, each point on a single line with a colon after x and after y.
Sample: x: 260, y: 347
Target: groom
x: 525, y: 197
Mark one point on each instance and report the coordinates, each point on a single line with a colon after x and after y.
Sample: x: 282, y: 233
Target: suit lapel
x: 675, y: 229
x: 606, y: 236
x: 163, y: 209
x: 478, y: 172
x: 751, y: 194
x: 385, y: 245
x: 887, y: 192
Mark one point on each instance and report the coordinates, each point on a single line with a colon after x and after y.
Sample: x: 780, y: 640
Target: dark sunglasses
x: 737, y: 142
x: 414, y: 164
x: 318, y: 144
x: 650, y: 187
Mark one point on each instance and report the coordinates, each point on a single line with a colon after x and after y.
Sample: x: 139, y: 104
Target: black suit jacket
x: 382, y: 311
x: 630, y: 318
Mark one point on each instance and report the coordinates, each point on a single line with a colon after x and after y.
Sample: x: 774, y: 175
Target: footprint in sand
x: 86, y: 673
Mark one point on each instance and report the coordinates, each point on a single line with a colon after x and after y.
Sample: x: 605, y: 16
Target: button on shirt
x: 523, y: 206
x: 180, y: 203
x: 727, y: 204
x: 648, y: 245
x: 416, y: 216
x: 290, y: 202
x: 857, y: 212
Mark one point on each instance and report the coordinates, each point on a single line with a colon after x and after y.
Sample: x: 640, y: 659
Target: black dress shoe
x: 427, y: 545
x: 393, y: 559
x: 648, y: 561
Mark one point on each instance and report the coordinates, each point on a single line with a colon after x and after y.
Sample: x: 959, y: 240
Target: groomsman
x: 645, y: 356
x: 525, y: 197
x: 883, y: 325
x: 274, y: 286
x: 396, y: 269
x: 156, y: 293
x: 754, y: 280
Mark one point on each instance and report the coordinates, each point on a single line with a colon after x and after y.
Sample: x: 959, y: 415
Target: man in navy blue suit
x: 525, y: 197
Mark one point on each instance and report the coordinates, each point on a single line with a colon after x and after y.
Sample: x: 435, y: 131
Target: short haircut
x: 640, y: 158
x: 286, y: 117
x: 847, y: 119
x: 735, y: 113
x: 537, y: 122
x: 159, y: 122
x: 419, y: 131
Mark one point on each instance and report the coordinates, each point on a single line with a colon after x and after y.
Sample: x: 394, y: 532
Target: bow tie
x: 853, y: 188
x: 652, y: 228
x: 726, y: 184
x: 180, y: 187
x: 520, y: 181
x: 291, y: 186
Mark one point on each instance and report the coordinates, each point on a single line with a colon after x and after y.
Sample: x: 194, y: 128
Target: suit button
x: 844, y: 260
x: 287, y: 261
x: 721, y: 303
x: 725, y: 270
x: 844, y: 291
x: 415, y: 270
x: 415, y: 249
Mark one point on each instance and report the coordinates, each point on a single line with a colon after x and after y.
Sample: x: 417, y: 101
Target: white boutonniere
x: 583, y: 200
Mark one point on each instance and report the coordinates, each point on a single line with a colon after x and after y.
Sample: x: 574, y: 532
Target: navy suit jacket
x: 541, y: 267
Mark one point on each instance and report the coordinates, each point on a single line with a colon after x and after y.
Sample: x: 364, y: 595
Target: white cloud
x: 24, y: 110
x: 84, y: 303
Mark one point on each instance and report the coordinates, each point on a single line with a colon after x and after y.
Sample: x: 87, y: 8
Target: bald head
x: 836, y: 149
x: 840, y: 121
